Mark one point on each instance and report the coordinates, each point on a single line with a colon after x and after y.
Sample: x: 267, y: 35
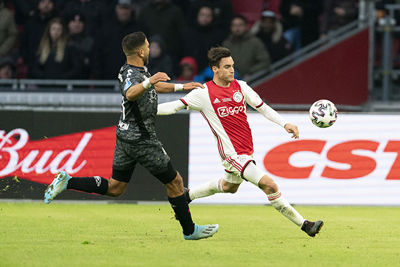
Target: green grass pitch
x: 65, y: 234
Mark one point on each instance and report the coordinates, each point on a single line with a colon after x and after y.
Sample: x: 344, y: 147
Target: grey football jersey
x: 137, y: 121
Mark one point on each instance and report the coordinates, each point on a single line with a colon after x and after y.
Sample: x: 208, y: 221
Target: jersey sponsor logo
x: 128, y: 84
x: 238, y: 97
x: 226, y: 111
x: 216, y: 101
x: 123, y: 126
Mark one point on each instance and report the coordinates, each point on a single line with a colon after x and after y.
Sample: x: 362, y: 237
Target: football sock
x: 281, y: 205
x: 182, y: 213
x: 206, y: 189
x: 95, y: 184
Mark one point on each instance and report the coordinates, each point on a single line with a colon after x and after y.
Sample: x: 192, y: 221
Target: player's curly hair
x: 133, y: 41
x: 216, y: 53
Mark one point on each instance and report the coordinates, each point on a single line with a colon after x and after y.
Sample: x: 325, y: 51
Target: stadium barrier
x: 354, y: 162
x: 35, y: 145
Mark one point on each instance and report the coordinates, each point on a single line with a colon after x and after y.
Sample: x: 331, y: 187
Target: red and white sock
x: 280, y: 204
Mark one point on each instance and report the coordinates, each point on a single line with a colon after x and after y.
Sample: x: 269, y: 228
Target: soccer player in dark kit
x: 137, y: 140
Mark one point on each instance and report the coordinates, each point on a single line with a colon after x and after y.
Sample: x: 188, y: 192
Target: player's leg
x: 229, y: 184
x: 256, y: 176
x: 155, y: 159
x: 95, y: 184
x: 63, y: 181
x: 124, y: 163
x: 123, y: 167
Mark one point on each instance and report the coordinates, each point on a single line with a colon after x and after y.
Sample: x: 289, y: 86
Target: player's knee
x: 230, y: 188
x: 175, y: 187
x: 177, y: 183
x: 268, y: 185
x: 115, y: 190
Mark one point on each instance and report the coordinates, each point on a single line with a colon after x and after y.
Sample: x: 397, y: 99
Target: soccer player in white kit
x: 223, y: 105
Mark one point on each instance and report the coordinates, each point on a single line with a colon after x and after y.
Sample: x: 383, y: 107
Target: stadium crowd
x: 81, y: 39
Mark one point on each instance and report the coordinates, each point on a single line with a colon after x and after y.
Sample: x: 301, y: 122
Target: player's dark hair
x: 216, y: 53
x: 133, y: 41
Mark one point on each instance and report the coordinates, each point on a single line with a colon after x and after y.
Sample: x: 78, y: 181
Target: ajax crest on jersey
x: 237, y: 96
x: 323, y: 113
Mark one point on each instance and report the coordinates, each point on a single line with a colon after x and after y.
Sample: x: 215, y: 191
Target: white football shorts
x: 242, y: 167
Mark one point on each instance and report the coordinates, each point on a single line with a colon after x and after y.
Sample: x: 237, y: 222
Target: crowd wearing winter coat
x: 180, y: 34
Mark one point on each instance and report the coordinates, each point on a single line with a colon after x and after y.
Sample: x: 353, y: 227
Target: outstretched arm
x: 274, y: 116
x: 163, y: 87
x: 291, y: 128
x: 271, y: 114
x: 254, y: 100
x: 169, y: 108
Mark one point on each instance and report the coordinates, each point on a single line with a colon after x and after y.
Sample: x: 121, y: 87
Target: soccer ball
x: 323, y: 113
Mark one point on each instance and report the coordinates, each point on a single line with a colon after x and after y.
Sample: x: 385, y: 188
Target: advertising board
x: 355, y: 161
x: 35, y: 145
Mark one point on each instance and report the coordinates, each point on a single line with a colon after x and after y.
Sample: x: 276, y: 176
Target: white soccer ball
x: 323, y: 113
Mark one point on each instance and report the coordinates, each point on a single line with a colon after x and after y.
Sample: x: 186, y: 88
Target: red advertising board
x: 79, y: 154
x: 35, y: 145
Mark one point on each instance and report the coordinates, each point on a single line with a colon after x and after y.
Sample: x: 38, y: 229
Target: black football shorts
x: 150, y: 154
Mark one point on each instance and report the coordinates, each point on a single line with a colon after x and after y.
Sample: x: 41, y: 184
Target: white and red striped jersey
x: 224, y: 109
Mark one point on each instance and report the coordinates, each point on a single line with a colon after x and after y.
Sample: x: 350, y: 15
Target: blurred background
x: 291, y: 51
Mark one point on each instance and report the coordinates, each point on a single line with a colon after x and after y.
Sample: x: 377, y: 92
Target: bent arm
x: 135, y: 91
x: 169, y: 108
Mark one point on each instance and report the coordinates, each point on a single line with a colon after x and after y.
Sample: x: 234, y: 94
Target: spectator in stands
x: 55, y: 59
x: 23, y: 10
x: 270, y: 30
x: 380, y: 10
x: 109, y: 56
x: 188, y: 69
x: 338, y: 13
x: 93, y: 11
x: 81, y: 41
x: 222, y: 13
x: 199, y: 38
x: 300, y: 21
x: 33, y: 31
x: 166, y: 19
x: 248, y: 51
x: 7, y: 68
x: 8, y: 30
x: 159, y: 59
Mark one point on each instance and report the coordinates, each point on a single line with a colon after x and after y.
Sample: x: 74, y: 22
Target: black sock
x: 94, y: 184
x: 181, y: 208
